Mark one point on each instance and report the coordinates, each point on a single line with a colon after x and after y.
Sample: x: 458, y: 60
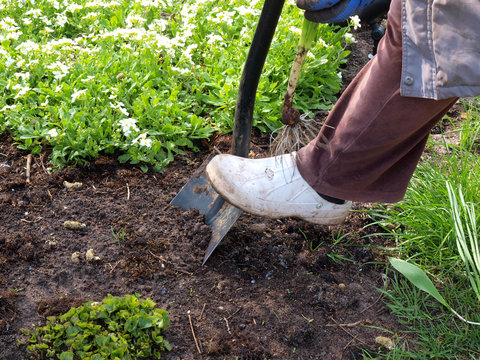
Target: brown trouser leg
x: 373, y: 138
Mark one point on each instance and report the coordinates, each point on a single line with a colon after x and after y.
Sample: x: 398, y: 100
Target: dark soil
x: 273, y: 289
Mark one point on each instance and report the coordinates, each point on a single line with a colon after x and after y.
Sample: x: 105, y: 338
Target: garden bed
x: 273, y: 289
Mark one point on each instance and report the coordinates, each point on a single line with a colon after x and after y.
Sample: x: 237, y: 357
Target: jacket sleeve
x: 441, y: 48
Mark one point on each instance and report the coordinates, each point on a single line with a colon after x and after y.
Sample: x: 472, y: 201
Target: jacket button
x: 408, y: 80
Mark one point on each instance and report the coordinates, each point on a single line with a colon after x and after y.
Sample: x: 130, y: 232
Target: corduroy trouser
x: 373, y: 138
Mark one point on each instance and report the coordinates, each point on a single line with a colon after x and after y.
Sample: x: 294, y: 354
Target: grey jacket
x: 441, y: 48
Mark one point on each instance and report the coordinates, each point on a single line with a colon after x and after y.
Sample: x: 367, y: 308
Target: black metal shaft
x: 376, y: 9
x: 252, y: 70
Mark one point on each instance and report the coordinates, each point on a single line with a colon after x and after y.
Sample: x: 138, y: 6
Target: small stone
x: 75, y: 257
x: 258, y: 228
x: 385, y: 342
x: 120, y: 76
x: 90, y: 256
x: 50, y: 244
x: 74, y: 225
x: 74, y: 185
x: 341, y: 287
x: 222, y: 285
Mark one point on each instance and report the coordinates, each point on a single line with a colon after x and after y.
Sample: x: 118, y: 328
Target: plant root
x: 293, y: 137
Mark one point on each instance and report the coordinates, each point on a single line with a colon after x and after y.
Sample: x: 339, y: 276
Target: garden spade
x: 197, y: 193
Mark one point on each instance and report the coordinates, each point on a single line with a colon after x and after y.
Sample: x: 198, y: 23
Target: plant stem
x: 290, y: 115
x: 309, y: 29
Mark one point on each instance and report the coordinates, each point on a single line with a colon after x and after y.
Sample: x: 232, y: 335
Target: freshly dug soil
x: 273, y: 289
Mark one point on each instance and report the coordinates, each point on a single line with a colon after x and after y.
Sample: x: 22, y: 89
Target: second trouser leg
x: 373, y: 138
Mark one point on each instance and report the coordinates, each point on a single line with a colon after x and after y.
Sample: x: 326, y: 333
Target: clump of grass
x: 436, y: 227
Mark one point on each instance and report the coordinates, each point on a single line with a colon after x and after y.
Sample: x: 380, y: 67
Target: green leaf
x: 66, y: 355
x: 131, y: 324
x: 145, y: 322
x: 418, y: 278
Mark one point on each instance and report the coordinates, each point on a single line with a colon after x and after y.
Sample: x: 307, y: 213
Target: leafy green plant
x: 117, y: 328
x: 146, y: 79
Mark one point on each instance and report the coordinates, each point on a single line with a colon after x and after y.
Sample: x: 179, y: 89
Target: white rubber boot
x: 271, y: 187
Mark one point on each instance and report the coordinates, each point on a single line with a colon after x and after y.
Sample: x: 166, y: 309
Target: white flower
x: 61, y: 20
x: 242, y: 10
x: 20, y: 63
x: 349, y: 38
x: 92, y: 15
x: 52, y: 133
x: 27, y: 47
x: 180, y: 70
x: 213, y: 38
x: 78, y: 94
x: 142, y: 140
x: 89, y: 78
x: 295, y: 30
x: 34, y: 12
x: 8, y: 107
x: 119, y: 106
x: 128, y: 125
x: 60, y: 70
x: 145, y: 142
x: 46, y: 20
x: 22, y: 90
x: 23, y: 76
x: 134, y: 19
x: 13, y: 35
x: 355, y: 19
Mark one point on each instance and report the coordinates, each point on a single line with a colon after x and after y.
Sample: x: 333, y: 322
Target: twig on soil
x: 346, y: 325
x: 113, y: 267
x: 228, y: 326
x: 346, y: 346
x: 217, y: 150
x: 201, y: 313
x: 193, y: 332
x: 41, y: 163
x: 235, y: 313
x: 161, y: 258
x: 50, y: 195
x: 128, y: 192
x: 29, y: 165
x: 369, y: 306
x: 349, y: 333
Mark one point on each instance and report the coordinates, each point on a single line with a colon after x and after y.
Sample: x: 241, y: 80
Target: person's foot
x: 271, y: 187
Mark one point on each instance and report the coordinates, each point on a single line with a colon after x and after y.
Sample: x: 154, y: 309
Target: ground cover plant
x: 116, y: 328
x: 145, y: 79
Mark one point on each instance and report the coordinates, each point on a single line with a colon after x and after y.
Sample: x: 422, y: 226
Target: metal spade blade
x: 198, y: 193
